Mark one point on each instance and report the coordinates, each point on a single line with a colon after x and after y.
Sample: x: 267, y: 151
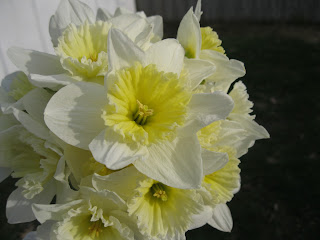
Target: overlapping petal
x: 206, y: 108
x: 73, y: 113
x: 122, y: 52
x: 189, y: 34
x: 69, y: 11
x: 221, y: 218
x: 177, y: 164
x: 197, y: 70
x: 227, y: 71
x: 109, y: 148
x: 34, y: 62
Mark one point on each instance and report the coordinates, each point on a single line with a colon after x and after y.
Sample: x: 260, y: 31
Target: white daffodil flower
x: 29, y: 152
x: 239, y: 130
x: 162, y: 212
x: 33, y: 161
x: 221, y: 173
x: 80, y: 42
x: 203, y: 43
x: 92, y: 215
x: 221, y: 180
x: 225, y: 141
x: 146, y: 115
x: 12, y: 91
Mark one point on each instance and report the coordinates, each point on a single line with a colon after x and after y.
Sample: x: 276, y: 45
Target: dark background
x: 280, y: 193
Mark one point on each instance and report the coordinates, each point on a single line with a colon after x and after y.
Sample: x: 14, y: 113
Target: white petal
x: 198, y: 11
x: 45, y: 212
x: 121, y: 11
x: 4, y: 96
x: 202, y: 218
x: 55, y: 144
x: 189, y: 34
x: 74, y: 113
x: 30, y: 61
x: 32, y: 125
x: 221, y: 218
x: 103, y: 15
x: 111, y: 201
x: 143, y: 35
x: 69, y: 11
x: 122, y: 22
x: 4, y: 173
x: 177, y: 164
x: 76, y: 158
x: 63, y: 189
x: 197, y: 71
x: 19, y: 208
x: 206, y: 108
x: 7, y: 81
x: 124, y: 218
x: 213, y: 161
x: 59, y: 174
x: 167, y: 55
x: 122, y: 52
x: 141, y: 14
x: 254, y: 131
x: 109, y: 148
x: 8, y: 140
x: 122, y: 182
x: 236, y: 190
x: 157, y: 24
x: 138, y: 29
x: 227, y: 70
x: 231, y: 132
x: 54, y: 82
x: 251, y: 126
x: 8, y: 108
x: 7, y: 121
x: 35, y: 102
x: 8, y: 103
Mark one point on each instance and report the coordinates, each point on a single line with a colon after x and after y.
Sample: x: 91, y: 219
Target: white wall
x: 24, y: 23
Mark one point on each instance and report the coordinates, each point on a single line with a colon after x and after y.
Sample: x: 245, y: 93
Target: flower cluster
x: 123, y: 134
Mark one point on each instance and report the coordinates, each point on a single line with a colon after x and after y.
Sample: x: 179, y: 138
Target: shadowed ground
x: 280, y: 187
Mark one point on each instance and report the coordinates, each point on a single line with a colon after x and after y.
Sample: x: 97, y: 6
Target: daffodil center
x: 86, y: 40
x: 143, y: 112
x: 93, y: 57
x: 158, y: 191
x: 146, y: 105
x: 83, y: 50
x: 95, y: 229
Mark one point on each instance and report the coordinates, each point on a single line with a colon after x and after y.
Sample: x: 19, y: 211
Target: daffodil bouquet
x: 123, y: 134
